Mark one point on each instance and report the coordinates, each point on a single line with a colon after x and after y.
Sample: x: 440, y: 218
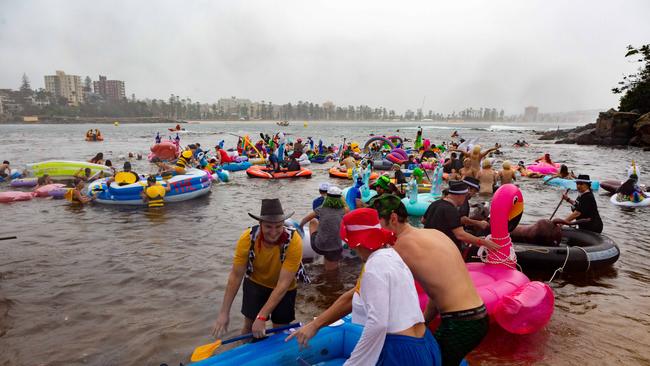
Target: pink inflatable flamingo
x: 517, y: 304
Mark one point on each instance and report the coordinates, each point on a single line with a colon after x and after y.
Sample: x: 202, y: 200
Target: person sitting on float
x: 166, y: 169
x: 324, y: 223
x: 630, y: 190
x: 184, y: 162
x: 546, y: 158
x: 153, y: 194
x: 125, y: 177
x: 564, y: 173
x: 584, y: 207
x: 521, y: 168
x: 348, y: 162
x: 5, y: 170
x: 293, y: 165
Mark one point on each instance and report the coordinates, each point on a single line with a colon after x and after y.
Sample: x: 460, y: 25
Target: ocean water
x: 105, y: 285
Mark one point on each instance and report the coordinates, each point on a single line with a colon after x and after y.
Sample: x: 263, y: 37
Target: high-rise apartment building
x: 67, y: 86
x: 111, y: 90
x: 530, y: 114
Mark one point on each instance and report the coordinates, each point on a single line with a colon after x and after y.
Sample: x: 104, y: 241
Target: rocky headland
x: 612, y: 128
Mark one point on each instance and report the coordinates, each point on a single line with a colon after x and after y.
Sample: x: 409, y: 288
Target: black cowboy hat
x: 271, y: 211
x: 583, y: 178
x: 457, y: 187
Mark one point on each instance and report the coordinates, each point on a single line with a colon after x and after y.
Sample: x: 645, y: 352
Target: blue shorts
x: 400, y: 350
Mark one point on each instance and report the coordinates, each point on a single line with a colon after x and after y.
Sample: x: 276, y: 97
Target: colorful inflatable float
x: 63, y: 169
x: 640, y: 199
x: 544, y: 168
x: 15, y: 196
x: 165, y: 150
x: 512, y: 300
x: 567, y: 183
x: 335, y: 172
x: 263, y: 172
x: 193, y: 184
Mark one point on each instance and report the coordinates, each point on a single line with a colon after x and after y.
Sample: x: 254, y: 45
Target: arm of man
x: 463, y: 235
x: 234, y: 282
x: 310, y: 216
x: 481, y: 224
x: 341, y: 307
x: 285, y: 280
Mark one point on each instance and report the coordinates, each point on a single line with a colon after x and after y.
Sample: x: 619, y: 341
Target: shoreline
x: 92, y: 120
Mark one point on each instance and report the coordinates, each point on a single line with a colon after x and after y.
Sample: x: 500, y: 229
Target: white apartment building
x: 67, y: 86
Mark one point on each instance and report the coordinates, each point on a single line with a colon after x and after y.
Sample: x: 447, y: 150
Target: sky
x: 444, y: 56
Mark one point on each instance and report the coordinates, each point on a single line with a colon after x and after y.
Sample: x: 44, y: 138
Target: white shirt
x: 386, y: 303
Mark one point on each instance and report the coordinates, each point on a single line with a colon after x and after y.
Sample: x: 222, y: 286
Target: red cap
x: 361, y: 228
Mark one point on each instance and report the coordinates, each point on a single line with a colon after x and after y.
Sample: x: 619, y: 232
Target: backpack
x: 301, y: 274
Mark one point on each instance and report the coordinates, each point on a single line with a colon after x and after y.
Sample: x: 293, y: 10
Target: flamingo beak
x: 515, y: 215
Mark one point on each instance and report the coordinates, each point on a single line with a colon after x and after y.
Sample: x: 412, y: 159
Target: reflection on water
x: 106, y: 285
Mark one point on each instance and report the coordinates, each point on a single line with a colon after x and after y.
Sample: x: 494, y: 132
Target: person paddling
x: 268, y: 258
x: 585, y: 208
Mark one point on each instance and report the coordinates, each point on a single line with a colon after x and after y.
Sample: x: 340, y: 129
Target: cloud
x: 504, y: 54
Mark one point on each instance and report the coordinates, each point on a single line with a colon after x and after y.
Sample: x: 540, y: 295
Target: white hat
x: 334, y: 191
x: 323, y: 187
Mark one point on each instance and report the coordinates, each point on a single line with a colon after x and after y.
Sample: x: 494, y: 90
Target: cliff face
x: 611, y: 128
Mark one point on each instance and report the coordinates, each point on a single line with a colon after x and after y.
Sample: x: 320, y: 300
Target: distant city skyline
x: 441, y: 57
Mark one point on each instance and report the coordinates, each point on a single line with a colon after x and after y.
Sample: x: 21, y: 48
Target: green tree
x: 636, y: 87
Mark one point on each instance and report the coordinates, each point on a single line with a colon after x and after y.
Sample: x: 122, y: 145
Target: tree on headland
x: 636, y: 87
x: 25, y: 87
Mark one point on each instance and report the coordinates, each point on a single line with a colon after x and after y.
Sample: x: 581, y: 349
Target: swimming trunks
x: 460, y: 332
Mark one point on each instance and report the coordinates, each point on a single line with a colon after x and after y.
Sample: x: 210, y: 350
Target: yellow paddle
x: 206, y: 350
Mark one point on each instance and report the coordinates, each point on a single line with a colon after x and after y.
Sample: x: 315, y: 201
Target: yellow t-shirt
x: 267, y: 264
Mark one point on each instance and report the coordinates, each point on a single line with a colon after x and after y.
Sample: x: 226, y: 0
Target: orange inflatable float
x: 335, y: 172
x: 263, y: 172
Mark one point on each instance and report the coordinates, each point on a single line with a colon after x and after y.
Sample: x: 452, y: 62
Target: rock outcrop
x: 612, y: 128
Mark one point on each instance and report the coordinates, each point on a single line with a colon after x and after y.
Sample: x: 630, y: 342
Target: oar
x: 559, y: 204
x: 206, y: 350
x: 9, y: 238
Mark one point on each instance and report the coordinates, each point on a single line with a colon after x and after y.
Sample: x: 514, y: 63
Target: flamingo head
x: 506, y: 209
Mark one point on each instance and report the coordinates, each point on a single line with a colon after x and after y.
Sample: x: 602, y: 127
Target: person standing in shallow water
x: 324, y: 223
x: 585, y: 208
x: 268, y: 258
x: 437, y: 265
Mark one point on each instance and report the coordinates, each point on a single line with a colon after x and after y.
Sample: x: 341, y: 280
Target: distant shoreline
x: 92, y: 120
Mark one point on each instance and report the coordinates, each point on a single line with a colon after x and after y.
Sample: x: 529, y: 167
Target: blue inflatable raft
x: 234, y: 167
x: 568, y: 183
x: 194, y: 183
x: 331, y: 346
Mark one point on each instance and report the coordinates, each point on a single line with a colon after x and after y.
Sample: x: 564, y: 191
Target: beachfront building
x: 110, y: 90
x: 234, y: 107
x: 67, y: 86
x: 530, y: 114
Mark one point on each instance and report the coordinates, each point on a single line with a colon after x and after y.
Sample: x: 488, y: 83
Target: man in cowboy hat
x: 443, y: 215
x: 585, y: 210
x: 267, y: 258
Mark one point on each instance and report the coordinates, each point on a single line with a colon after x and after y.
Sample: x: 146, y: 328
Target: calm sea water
x: 102, y: 285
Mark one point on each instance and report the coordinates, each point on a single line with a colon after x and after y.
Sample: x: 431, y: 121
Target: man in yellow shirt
x: 268, y: 258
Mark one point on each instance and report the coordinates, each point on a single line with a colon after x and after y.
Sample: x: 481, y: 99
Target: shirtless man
x: 476, y: 156
x: 348, y: 162
x: 438, y: 266
x: 507, y: 174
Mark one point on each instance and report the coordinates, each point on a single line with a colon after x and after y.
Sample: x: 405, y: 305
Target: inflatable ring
x: 377, y: 138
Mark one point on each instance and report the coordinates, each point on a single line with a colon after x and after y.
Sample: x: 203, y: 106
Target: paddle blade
x: 205, y: 351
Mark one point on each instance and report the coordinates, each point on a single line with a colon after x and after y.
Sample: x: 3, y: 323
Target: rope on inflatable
x: 509, y: 261
x: 561, y: 269
x: 378, y: 138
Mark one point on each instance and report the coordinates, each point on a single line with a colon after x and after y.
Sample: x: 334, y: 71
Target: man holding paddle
x: 268, y: 259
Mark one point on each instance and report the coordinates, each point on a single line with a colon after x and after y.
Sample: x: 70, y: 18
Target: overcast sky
x: 558, y: 55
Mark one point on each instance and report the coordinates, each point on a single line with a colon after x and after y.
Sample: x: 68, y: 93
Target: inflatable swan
x: 517, y: 304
